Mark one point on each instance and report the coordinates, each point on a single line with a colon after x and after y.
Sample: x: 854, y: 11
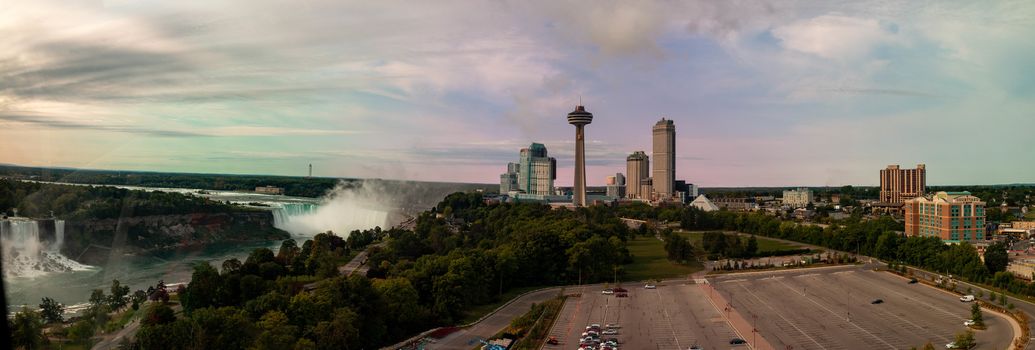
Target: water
x: 27, y: 254
x: 45, y: 273
x: 37, y: 269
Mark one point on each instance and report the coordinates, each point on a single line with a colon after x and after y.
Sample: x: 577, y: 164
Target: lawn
x: 764, y: 244
x: 650, y: 261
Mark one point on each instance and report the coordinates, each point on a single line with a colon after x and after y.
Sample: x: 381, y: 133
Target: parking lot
x: 675, y: 315
x: 832, y: 309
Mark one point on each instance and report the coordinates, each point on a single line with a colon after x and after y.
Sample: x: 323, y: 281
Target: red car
x: 622, y: 295
x: 621, y: 290
x: 552, y: 341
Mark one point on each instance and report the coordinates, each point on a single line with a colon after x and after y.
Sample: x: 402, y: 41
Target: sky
x: 762, y: 93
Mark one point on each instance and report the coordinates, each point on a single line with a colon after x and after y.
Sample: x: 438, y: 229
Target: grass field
x: 650, y: 261
x: 764, y: 244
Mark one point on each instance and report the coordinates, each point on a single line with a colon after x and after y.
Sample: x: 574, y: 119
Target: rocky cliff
x: 93, y: 241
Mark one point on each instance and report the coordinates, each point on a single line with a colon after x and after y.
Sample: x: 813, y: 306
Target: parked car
x: 607, y: 291
x: 622, y: 295
x: 877, y: 301
x: 967, y: 298
x: 612, y: 325
x: 553, y: 341
x: 649, y: 286
x: 912, y: 281
x: 969, y: 323
x: 695, y: 347
x: 621, y: 290
x: 610, y: 331
x: 738, y: 341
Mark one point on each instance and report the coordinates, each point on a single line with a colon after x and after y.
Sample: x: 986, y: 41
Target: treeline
x: 294, y: 299
x: 881, y: 238
x: 34, y: 199
x: 293, y: 186
x: 461, y: 254
x: 467, y: 253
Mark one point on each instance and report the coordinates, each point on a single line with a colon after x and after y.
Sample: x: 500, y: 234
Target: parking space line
x: 783, y: 318
x: 835, y: 314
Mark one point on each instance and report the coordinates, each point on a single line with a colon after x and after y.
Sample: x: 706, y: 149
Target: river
x: 71, y: 284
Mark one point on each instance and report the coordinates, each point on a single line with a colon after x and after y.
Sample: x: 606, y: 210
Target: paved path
x: 496, y: 322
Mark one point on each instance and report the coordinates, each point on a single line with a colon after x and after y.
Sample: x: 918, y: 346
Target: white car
x: 607, y: 292
x: 969, y: 323
x: 649, y: 286
x: 612, y: 325
x: 951, y: 345
x: 610, y: 331
x: 967, y: 298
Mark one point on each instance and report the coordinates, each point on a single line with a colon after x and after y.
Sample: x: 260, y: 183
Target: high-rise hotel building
x: 898, y: 185
x: 664, y: 173
x: 951, y: 216
x: 533, y: 174
x: 637, y: 169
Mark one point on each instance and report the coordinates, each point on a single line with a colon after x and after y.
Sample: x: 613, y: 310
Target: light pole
x: 848, y: 306
x: 754, y: 329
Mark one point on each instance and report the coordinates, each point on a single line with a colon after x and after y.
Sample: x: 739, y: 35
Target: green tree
x: 751, y: 249
x: 118, y: 297
x: 158, y: 314
x: 27, y: 330
x: 996, y: 257
x: 51, y: 311
x: 340, y: 332
x: 223, y: 328
x: 965, y: 340
x: 975, y: 315
x: 276, y: 333
x: 202, y: 291
x: 1002, y: 299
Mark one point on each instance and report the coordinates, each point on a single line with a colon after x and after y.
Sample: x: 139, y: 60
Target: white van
x: 967, y: 298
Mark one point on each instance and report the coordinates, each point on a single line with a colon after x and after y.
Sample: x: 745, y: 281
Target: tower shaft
x: 578, y: 198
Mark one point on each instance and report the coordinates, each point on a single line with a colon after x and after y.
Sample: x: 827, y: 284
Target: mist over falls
x: 32, y: 248
x: 360, y: 205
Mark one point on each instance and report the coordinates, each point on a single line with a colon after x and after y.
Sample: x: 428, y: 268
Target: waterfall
x: 338, y: 215
x: 26, y: 255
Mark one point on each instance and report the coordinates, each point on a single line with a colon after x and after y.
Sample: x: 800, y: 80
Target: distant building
x: 269, y: 190
x: 803, y: 214
x: 798, y: 198
x: 533, y: 174
x: 951, y: 216
x: 899, y: 185
x: 637, y: 168
x: 664, y: 172
x: 702, y: 203
x: 616, y: 186
x: 736, y: 204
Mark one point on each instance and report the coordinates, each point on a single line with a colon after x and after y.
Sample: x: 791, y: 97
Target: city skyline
x: 789, y: 94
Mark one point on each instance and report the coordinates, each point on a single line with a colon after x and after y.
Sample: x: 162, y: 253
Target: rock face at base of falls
x: 94, y: 241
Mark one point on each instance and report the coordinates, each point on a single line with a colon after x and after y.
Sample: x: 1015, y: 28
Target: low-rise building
x: 798, y: 198
x: 702, y: 203
x: 951, y: 216
x: 736, y: 204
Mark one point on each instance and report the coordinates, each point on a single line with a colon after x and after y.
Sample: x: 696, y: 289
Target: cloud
x: 835, y: 37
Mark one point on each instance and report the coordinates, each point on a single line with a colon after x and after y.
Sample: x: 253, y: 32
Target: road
x: 831, y: 308
x: 1024, y: 305
x: 489, y: 326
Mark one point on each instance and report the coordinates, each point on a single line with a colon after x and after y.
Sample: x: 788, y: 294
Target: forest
x: 33, y: 199
x: 292, y: 185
